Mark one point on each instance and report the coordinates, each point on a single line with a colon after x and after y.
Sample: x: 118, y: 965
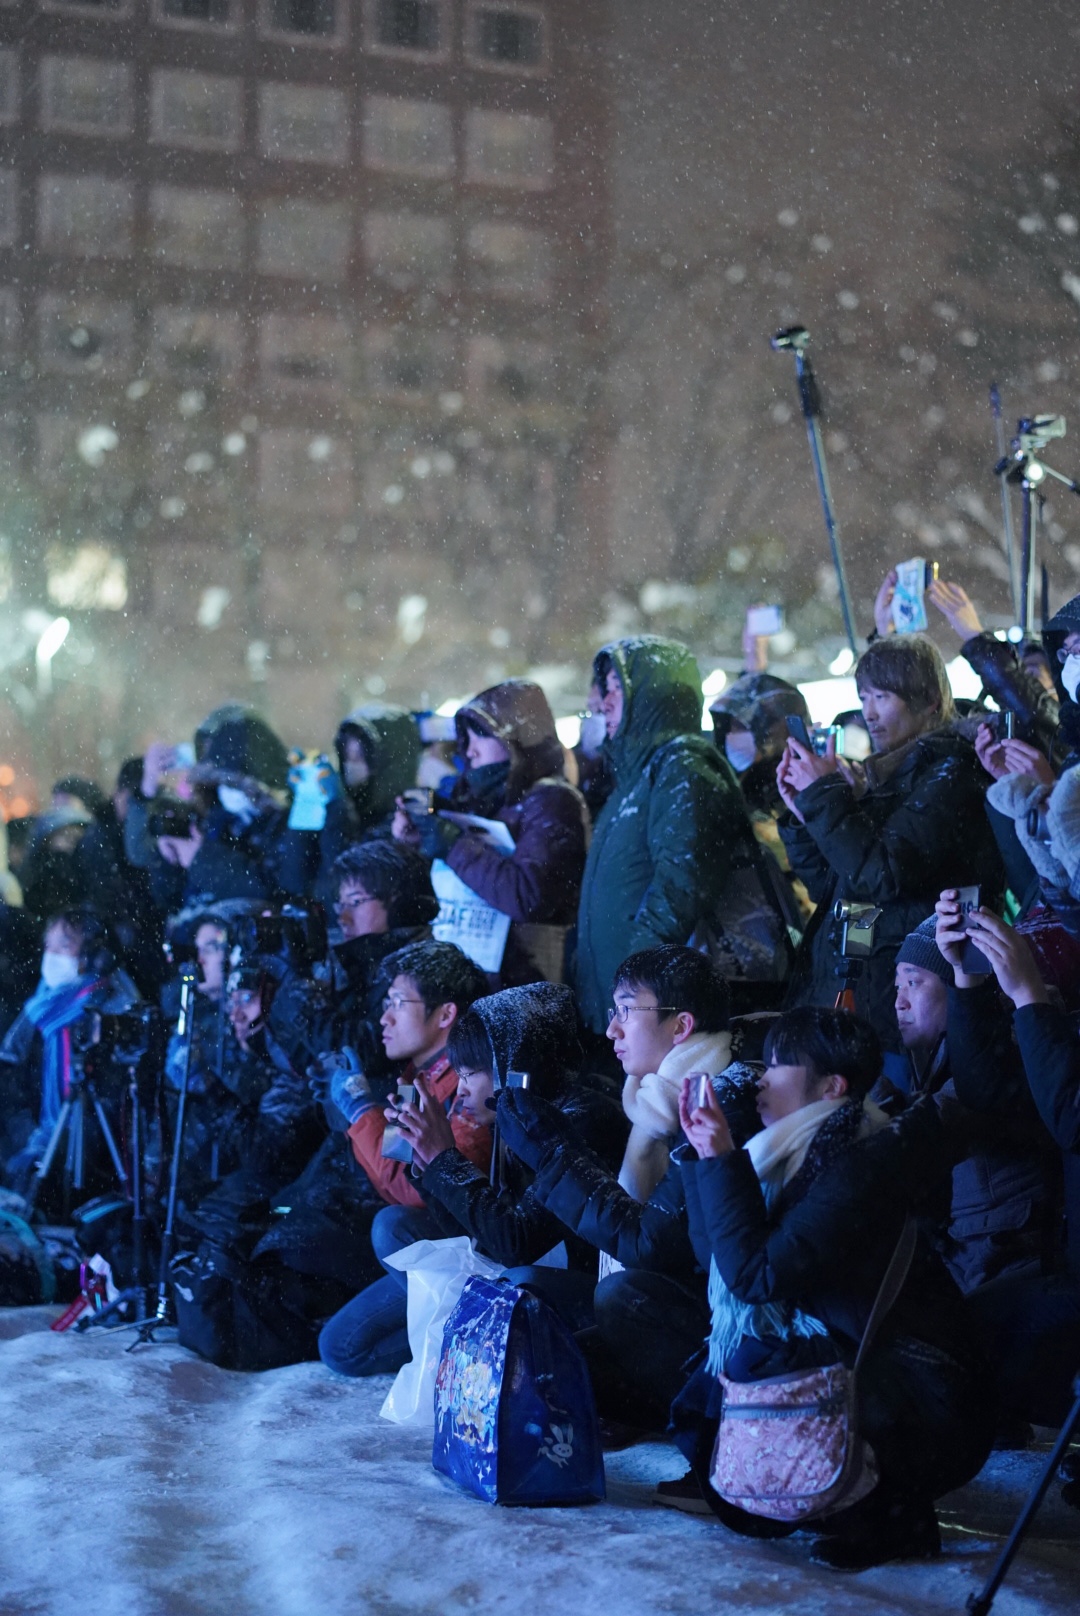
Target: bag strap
x: 891, y: 1286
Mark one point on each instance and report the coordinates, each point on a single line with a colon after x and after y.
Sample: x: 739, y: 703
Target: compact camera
x: 856, y: 922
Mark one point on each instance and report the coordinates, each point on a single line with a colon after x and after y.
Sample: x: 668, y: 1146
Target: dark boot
x: 902, y: 1531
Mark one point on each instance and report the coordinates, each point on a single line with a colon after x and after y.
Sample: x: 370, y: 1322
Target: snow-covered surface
x: 153, y: 1484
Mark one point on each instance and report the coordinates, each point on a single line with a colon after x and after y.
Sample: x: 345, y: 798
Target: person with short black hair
x: 525, y: 1030
x: 669, y: 1017
x: 888, y: 833
x: 385, y: 901
x: 798, y: 1228
x: 431, y: 986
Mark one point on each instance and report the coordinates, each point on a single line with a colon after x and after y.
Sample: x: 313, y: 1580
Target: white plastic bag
x: 437, y: 1271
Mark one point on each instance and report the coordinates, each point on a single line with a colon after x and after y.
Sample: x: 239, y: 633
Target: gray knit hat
x: 920, y: 948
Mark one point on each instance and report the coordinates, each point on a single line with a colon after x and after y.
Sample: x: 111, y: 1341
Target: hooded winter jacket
x: 531, y: 1029
x: 538, y: 884
x: 1052, y: 725
x: 919, y: 825
x: 390, y: 743
x: 662, y: 842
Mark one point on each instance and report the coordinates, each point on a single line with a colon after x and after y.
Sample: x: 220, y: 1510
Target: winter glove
x: 337, y: 1081
x: 314, y: 784
x: 436, y: 836
x: 530, y: 1127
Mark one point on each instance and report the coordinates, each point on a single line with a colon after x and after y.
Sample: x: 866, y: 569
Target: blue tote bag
x: 515, y: 1420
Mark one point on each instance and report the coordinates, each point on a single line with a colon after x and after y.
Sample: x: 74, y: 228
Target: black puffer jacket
x: 587, y: 1197
x: 919, y: 826
x: 825, y: 1244
x: 531, y: 1029
x: 823, y: 1247
x: 350, y: 1009
x: 999, y: 1216
x: 993, y: 1072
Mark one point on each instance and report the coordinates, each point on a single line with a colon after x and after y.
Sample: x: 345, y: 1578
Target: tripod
x: 1022, y: 465
x: 979, y: 1604
x: 72, y: 1122
x: 135, y: 1293
x: 164, y: 1313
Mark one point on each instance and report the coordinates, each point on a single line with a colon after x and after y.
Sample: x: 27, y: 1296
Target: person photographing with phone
x: 889, y: 832
x: 1013, y: 1048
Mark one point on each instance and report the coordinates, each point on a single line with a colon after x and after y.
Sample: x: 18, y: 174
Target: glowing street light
x: 50, y: 642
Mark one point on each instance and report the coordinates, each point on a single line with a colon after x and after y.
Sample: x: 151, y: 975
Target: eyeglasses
x: 394, y: 1001
x: 621, y: 1012
x: 347, y: 904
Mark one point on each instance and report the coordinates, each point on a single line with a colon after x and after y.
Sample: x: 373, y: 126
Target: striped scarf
x: 53, y: 1011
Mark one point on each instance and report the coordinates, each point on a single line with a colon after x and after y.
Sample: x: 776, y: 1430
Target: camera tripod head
x: 1034, y: 432
x: 795, y: 337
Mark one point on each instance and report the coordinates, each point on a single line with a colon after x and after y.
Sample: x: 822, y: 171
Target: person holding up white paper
x: 509, y: 846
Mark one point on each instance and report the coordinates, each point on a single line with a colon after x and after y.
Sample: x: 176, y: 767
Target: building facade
x: 301, y: 305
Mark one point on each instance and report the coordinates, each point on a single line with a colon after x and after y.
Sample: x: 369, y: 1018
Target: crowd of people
x: 683, y: 1030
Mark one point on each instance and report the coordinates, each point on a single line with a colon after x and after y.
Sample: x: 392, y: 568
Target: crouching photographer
x: 62, y: 1047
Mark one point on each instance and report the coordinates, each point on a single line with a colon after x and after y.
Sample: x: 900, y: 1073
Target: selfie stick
x: 1006, y: 502
x: 796, y: 338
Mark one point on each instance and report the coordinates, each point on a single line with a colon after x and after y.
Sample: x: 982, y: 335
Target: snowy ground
x: 156, y: 1485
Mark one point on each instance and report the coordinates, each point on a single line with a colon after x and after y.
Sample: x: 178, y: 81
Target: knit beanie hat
x: 920, y: 948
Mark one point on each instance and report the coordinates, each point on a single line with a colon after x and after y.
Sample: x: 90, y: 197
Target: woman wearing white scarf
x: 798, y: 1228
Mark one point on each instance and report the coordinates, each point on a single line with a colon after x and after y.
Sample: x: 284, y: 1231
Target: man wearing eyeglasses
x: 431, y: 985
x: 385, y: 902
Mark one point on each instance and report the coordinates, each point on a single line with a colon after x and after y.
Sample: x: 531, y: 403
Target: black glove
x: 437, y: 836
x: 530, y: 1127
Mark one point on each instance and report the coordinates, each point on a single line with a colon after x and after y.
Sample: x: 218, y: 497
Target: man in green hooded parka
x: 662, y: 842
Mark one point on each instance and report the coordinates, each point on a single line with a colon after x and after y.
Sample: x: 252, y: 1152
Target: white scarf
x: 777, y: 1153
x: 652, y: 1104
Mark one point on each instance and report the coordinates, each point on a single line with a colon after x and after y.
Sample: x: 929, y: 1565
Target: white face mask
x: 593, y: 733
x: 356, y: 772
x: 235, y: 801
x: 58, y: 970
x: 1070, y: 675
x: 741, y: 749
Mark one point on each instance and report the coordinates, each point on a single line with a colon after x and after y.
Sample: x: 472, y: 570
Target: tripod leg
x: 107, y: 1134
x: 979, y: 1604
x: 41, y: 1171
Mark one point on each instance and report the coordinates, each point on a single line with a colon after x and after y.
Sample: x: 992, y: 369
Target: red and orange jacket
x: 393, y: 1179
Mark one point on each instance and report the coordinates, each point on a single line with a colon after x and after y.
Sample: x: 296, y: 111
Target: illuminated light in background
x: 7, y: 775
x: 47, y: 646
x: 842, y: 663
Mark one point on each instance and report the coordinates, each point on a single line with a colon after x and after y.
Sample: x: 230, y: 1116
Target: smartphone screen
x: 764, y: 620
x: 703, y: 1089
x: 973, y: 962
x: 796, y: 728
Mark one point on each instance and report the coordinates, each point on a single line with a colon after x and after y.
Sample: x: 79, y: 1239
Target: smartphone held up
x: 913, y: 579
